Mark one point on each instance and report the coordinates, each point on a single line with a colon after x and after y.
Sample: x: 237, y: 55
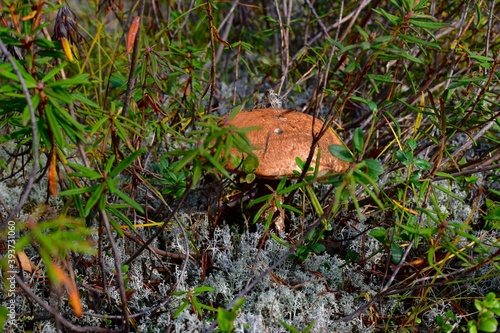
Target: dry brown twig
x: 56, y: 313
x: 285, y: 41
x: 133, y: 62
x: 34, y: 142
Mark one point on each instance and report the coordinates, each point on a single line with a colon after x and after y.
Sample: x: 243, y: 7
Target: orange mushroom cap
x: 281, y: 138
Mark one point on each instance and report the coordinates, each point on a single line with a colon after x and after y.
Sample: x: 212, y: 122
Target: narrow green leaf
x: 290, y: 188
x: 125, y: 163
x: 94, y: 198
x: 346, y: 48
x: 180, y: 309
x: 428, y: 24
x: 109, y: 164
x: 217, y: 165
x: 448, y: 192
x: 74, y: 81
x: 259, y: 200
x: 419, y: 41
x: 44, y: 43
x: 396, y: 253
x: 121, y: 216
x: 59, y: 95
x: 188, y: 157
x: 392, y: 18
x: 314, y: 200
x: 445, y: 175
x: 394, y: 121
x: 9, y: 74
x: 459, y: 227
x: 481, y: 59
x: 341, y: 153
x: 77, y: 191
x: 115, y: 225
x: 381, y: 78
x: 383, y: 40
x: 64, y: 115
x: 197, y: 172
x: 292, y: 209
x: 410, y: 57
x: 35, y: 100
x: 422, y: 164
x: 373, y: 195
x: 128, y: 200
x: 421, y: 5
x: 206, y: 307
x: 54, y: 72
x: 97, y: 126
x: 259, y: 213
x: 102, y: 202
x: 309, y: 327
x: 84, y: 172
x: 358, y: 140
x: 85, y: 100
x: 202, y: 289
x: 54, y: 126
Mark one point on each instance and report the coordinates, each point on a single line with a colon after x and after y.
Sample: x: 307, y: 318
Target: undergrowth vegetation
x: 118, y: 213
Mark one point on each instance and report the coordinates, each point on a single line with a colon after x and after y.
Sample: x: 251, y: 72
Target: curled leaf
x: 53, y: 175
x: 132, y: 32
x: 67, y: 49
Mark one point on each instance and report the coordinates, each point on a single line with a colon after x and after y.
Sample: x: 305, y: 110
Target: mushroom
x: 281, y: 137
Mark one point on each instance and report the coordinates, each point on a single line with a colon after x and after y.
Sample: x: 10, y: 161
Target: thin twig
x: 118, y: 267
x: 133, y: 63
x: 34, y: 141
x: 380, y: 293
x: 186, y: 20
x: 386, y: 291
x: 163, y: 226
x: 488, y: 33
x: 469, y: 142
x: 229, y: 20
x: 317, y: 17
x: 285, y: 51
x: 321, y: 34
x: 56, y: 313
x: 158, y: 251
x: 236, y: 72
x: 213, y: 67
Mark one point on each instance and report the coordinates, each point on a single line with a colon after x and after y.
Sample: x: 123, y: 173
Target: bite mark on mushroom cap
x: 283, y: 136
